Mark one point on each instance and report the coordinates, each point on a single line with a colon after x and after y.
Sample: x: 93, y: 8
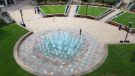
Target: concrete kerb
x: 122, y: 12
x: 25, y: 27
x: 122, y: 43
x: 118, y: 4
x: 68, y: 9
x: 44, y: 15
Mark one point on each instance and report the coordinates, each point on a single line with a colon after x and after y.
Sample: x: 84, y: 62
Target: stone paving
x: 85, y: 60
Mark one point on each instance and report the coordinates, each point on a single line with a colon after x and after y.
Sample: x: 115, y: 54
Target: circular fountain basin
x: 61, y: 52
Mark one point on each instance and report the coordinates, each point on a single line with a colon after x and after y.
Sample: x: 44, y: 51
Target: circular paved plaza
x: 61, y: 52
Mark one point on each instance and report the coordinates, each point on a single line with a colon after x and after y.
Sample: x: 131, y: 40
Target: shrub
x: 38, y: 1
x: 2, y: 23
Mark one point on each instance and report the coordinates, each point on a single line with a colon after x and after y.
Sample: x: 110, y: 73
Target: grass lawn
x: 118, y: 62
x: 53, y: 9
x: 92, y: 11
x: 125, y: 19
x: 9, y: 35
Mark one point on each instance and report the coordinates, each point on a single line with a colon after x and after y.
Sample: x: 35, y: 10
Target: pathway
x: 72, y: 11
x: 105, y: 33
x: 28, y: 12
x: 125, y: 3
x: 110, y: 15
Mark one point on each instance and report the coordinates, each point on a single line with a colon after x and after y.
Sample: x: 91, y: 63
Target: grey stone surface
x: 83, y: 61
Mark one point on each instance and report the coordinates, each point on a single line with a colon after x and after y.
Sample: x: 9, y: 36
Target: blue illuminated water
x: 61, y: 44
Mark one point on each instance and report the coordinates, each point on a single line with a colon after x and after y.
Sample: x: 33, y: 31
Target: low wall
x: 52, y: 3
x: 17, y: 59
x: 132, y: 30
x: 53, y: 15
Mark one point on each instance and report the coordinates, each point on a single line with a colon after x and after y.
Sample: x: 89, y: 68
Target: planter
x: 53, y: 15
x: 52, y: 3
x: 132, y: 30
x: 83, y: 16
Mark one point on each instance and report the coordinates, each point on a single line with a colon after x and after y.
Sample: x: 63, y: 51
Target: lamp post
x: 125, y: 40
x: 22, y: 23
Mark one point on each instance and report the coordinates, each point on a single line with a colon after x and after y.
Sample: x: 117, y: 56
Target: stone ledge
x: 132, y: 30
x: 15, y: 53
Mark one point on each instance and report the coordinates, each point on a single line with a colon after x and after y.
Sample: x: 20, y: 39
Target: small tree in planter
x: 40, y: 1
x: 103, y: 2
x: 84, y: 1
x: 2, y: 22
x: 111, y: 2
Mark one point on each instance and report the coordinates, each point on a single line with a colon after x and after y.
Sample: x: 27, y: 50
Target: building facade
x: 7, y: 2
x: 11, y: 2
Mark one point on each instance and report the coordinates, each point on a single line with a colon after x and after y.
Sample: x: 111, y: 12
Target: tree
x: 39, y: 1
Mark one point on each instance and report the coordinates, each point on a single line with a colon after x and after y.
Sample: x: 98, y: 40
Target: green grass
x: 92, y: 11
x: 125, y: 19
x: 9, y: 35
x: 118, y: 62
x: 53, y: 9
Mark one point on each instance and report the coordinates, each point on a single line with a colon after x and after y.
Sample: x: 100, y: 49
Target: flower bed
x: 124, y: 19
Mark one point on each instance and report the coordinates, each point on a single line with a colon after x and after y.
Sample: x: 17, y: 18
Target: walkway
x: 105, y: 33
x: 110, y: 15
x: 127, y: 1
x: 28, y: 12
x: 72, y: 11
x: 125, y: 4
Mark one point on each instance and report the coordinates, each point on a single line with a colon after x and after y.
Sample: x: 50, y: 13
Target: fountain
x: 61, y: 44
x: 61, y: 52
